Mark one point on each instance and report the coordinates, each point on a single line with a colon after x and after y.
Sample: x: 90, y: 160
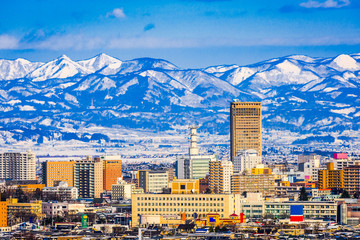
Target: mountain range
x: 304, y: 99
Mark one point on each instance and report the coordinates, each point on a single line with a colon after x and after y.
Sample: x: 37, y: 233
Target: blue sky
x: 189, y: 33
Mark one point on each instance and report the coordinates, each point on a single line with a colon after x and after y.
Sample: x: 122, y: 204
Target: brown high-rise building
x: 352, y: 179
x: 112, y: 171
x: 245, y: 127
x: 56, y: 172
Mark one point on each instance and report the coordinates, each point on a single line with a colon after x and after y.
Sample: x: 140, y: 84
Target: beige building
x: 18, y: 166
x: 184, y: 186
x: 153, y: 181
x: 56, y: 172
x: 88, y: 177
x: 263, y: 183
x: 124, y: 190
x: 220, y: 176
x: 183, y: 204
x: 245, y: 127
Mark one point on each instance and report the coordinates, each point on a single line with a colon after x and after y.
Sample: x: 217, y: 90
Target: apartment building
x: 18, y: 166
x: 331, y: 178
x: 220, y: 176
x: 352, y: 179
x: 88, y: 177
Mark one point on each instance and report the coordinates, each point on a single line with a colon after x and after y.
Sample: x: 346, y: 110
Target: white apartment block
x: 122, y: 190
x: 245, y: 160
x: 18, y: 166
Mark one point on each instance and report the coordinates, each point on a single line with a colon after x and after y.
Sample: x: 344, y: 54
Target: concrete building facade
x: 245, y: 127
x: 245, y: 160
x: 88, y: 177
x: 18, y: 166
x: 60, y: 171
x: 220, y: 176
x: 261, y: 183
x: 112, y: 170
x: 183, y: 204
x: 331, y: 178
x: 153, y: 181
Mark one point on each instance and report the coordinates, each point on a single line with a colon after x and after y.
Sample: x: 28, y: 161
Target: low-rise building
x: 23, y: 211
x: 53, y: 209
x: 184, y: 205
x: 62, y: 192
x: 311, y: 209
x: 184, y: 186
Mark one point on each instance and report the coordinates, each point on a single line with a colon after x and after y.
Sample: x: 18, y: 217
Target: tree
x: 345, y: 194
x: 208, y: 191
x: 211, y: 229
x: 303, y: 196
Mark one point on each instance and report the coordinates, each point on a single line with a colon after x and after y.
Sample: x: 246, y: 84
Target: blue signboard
x: 296, y: 210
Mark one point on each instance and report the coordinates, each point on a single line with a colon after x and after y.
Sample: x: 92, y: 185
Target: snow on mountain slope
x: 138, y: 65
x: 13, y: 69
x: 98, y: 62
x: 299, y: 94
x: 344, y: 62
x: 62, y: 67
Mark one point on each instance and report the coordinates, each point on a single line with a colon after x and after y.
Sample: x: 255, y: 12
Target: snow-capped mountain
x: 301, y: 96
x: 19, y: 68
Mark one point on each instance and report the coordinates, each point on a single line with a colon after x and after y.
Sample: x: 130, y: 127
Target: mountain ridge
x: 303, y: 95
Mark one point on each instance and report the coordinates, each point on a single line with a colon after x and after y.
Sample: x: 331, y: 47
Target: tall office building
x: 220, y: 176
x: 60, y: 171
x: 193, y: 166
x: 18, y: 166
x: 88, y: 177
x: 112, y: 170
x: 245, y: 127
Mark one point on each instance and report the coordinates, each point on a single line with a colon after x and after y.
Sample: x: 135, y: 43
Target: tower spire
x: 193, y: 150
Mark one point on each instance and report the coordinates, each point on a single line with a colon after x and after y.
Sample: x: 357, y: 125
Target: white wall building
x: 18, y: 166
x: 122, y: 190
x: 245, y: 160
x: 62, y: 192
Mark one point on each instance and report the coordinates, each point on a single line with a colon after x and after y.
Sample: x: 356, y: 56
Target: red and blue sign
x: 296, y: 213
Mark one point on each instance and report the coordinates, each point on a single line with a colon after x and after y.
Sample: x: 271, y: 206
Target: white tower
x: 193, y: 150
